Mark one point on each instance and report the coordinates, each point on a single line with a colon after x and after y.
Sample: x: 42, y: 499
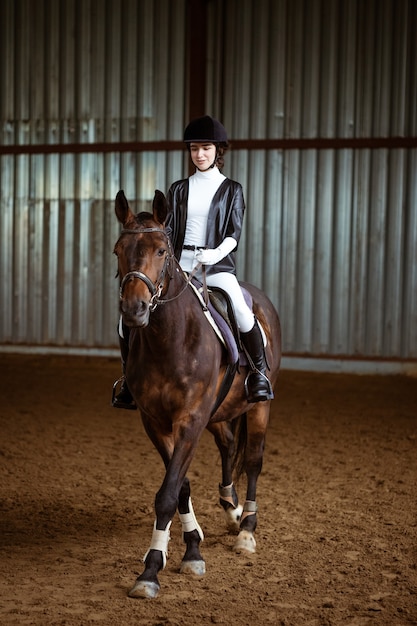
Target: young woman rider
x: 204, y: 223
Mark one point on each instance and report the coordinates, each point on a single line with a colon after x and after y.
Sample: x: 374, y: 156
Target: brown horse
x: 175, y: 370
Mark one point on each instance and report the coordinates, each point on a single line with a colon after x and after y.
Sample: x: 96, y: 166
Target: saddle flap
x: 221, y: 311
x: 224, y: 306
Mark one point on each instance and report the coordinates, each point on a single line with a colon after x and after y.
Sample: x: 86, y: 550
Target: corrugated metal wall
x: 80, y: 72
x: 330, y: 234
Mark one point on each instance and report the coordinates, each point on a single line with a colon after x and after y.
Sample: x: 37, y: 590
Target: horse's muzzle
x: 135, y: 312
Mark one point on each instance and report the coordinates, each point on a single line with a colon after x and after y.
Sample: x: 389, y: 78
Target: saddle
x: 219, y: 311
x: 221, y: 315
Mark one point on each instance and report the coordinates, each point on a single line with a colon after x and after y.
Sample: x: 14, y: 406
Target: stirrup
x: 121, y: 404
x: 262, y: 395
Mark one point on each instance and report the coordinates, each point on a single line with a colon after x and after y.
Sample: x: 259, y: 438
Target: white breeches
x: 229, y: 283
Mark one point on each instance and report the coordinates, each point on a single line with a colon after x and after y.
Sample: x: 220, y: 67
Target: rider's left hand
x: 209, y: 257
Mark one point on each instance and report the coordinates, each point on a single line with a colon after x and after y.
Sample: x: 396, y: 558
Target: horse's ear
x: 159, y: 207
x: 122, y: 209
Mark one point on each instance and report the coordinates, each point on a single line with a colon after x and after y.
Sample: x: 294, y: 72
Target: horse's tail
x: 240, y: 433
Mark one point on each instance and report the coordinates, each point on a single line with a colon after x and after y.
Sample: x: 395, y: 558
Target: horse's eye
x: 161, y: 251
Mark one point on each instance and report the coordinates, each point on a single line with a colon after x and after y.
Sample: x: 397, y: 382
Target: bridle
x: 154, y: 288
x: 157, y: 287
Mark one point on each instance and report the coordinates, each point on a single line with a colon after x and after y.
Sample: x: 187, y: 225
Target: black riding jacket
x: 224, y: 220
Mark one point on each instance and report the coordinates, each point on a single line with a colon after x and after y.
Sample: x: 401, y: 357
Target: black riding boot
x: 257, y: 385
x: 124, y: 399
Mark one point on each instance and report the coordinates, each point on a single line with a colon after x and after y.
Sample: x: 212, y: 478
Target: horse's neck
x: 178, y: 334
x: 177, y: 313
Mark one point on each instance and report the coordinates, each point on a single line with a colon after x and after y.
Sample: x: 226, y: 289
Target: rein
x: 156, y: 288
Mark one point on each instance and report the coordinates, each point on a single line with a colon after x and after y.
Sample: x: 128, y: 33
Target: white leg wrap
x: 226, y: 494
x: 189, y: 521
x: 159, y: 541
x: 250, y: 508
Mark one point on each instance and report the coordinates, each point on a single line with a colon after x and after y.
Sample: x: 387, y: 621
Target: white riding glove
x: 214, y: 255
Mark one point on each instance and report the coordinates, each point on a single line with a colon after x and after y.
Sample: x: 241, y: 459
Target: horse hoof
x: 245, y: 542
x: 144, y: 589
x: 233, y: 518
x: 193, y: 567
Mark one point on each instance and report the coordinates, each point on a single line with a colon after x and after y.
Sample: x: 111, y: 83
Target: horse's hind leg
x: 224, y: 438
x: 257, y: 423
x: 192, y: 562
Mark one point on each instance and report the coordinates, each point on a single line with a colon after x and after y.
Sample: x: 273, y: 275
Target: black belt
x: 194, y: 248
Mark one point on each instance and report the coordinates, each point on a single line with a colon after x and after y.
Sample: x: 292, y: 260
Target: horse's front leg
x: 147, y: 584
x: 166, y: 502
x: 192, y: 562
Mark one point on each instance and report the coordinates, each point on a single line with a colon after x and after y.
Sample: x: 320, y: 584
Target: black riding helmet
x: 205, y: 128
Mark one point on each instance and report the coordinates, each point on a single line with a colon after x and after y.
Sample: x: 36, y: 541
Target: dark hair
x: 221, y: 149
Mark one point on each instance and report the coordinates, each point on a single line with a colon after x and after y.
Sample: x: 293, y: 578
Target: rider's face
x: 203, y: 155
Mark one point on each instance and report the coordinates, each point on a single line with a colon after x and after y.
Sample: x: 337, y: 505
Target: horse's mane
x: 144, y: 219
x: 142, y: 216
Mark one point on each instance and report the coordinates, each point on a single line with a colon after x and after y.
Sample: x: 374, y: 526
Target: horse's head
x: 144, y: 254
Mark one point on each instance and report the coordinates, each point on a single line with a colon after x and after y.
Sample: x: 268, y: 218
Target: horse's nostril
x: 141, y: 306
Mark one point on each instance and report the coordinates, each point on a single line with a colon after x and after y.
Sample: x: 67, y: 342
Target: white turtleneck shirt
x: 202, y: 187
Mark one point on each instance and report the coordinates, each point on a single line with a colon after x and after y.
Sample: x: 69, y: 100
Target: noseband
x: 154, y: 288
